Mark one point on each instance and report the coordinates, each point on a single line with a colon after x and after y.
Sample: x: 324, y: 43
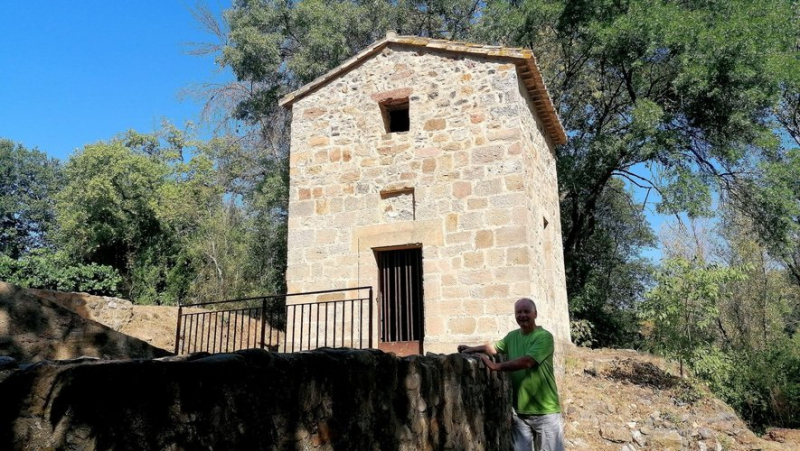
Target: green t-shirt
x: 535, y: 391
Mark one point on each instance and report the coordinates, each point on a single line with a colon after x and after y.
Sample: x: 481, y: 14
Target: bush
x: 55, y: 271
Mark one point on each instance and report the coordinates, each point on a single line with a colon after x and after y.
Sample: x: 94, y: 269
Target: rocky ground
x: 624, y: 400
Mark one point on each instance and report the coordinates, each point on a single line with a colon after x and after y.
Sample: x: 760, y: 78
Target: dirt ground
x: 625, y: 400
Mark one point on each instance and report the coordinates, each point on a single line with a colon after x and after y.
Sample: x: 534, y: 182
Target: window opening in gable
x: 395, y: 115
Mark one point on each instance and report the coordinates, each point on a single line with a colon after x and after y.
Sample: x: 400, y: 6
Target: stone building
x: 426, y: 169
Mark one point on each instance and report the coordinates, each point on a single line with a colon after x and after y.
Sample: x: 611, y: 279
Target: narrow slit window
x: 395, y: 115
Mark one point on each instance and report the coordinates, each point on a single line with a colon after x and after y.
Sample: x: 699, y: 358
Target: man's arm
x: 487, y: 348
x: 519, y: 363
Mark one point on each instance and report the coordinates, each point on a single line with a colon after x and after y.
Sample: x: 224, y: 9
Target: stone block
x: 489, y: 187
x: 474, y: 220
x: 350, y: 176
x: 518, y: 255
x: 508, y: 200
x: 317, y: 141
x: 488, y: 325
x: 493, y: 291
x: 394, y: 94
x: 454, y: 292
x: 473, y: 259
x: 435, y: 124
x: 665, y: 440
x: 470, y: 307
x: 511, y: 273
x: 302, y: 209
x: 476, y: 277
x: 514, y: 182
x: 393, y: 150
x: 484, y: 239
x: 499, y: 217
x: 457, y: 238
x: 321, y: 207
x: 451, y: 222
x: 495, y: 257
x: 427, y: 152
x: 435, y: 327
x: 477, y: 203
x: 461, y: 325
x: 510, y: 236
x: 503, y: 134
x: 488, y: 154
x: 461, y: 189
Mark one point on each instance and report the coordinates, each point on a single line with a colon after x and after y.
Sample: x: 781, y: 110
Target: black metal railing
x: 264, y: 322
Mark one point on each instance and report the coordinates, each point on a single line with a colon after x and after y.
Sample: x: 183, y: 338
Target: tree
x: 683, y: 89
x: 747, y: 351
x: 28, y: 182
x: 683, y: 306
x: 107, y: 207
x: 136, y: 203
x: 617, y: 275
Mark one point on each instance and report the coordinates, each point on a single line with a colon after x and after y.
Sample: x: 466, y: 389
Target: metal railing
x: 257, y: 322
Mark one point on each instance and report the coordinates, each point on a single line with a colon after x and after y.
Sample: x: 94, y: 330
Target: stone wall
x: 471, y: 182
x: 325, y: 399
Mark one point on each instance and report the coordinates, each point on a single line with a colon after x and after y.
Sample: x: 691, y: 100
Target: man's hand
x: 489, y: 364
x: 462, y: 348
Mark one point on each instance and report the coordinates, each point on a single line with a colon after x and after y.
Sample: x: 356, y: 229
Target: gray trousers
x: 538, y: 432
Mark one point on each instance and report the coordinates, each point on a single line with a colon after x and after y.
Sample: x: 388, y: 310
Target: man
x: 537, y: 412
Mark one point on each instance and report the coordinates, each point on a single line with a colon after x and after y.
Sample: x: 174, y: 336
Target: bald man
x: 537, y: 412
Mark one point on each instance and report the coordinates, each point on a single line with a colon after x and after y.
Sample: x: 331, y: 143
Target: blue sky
x: 76, y: 73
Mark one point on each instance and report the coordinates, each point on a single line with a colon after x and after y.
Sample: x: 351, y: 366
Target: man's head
x: 525, y: 314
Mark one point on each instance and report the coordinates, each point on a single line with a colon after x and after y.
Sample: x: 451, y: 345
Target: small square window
x: 395, y: 115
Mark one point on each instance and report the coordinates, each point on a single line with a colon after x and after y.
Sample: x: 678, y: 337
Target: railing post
x: 371, y: 301
x: 178, y: 328
x: 263, y: 320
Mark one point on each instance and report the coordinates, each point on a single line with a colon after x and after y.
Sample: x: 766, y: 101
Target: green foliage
x: 28, y: 181
x: 55, y: 271
x: 136, y: 203
x: 772, y: 200
x: 764, y: 386
x: 679, y: 90
x: 743, y: 326
x: 683, y: 306
x: 581, y: 332
x: 606, y: 280
x: 106, y: 209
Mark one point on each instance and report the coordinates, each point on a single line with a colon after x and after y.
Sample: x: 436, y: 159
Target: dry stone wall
x: 472, y: 182
x: 325, y: 399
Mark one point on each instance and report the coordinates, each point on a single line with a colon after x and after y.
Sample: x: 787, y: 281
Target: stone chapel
x: 426, y: 169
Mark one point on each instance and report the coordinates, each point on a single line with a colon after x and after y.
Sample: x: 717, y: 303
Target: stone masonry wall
x: 256, y: 400
x: 549, y: 286
x: 469, y: 182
